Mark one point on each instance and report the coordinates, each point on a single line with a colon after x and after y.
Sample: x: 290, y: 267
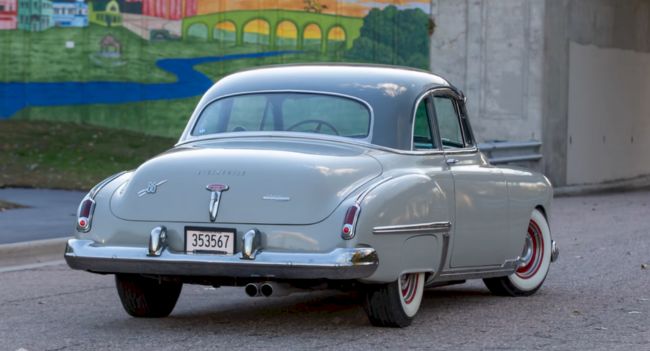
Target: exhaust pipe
x: 269, y: 289
x: 252, y: 290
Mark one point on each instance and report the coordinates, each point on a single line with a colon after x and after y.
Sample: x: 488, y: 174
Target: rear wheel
x: 394, y: 304
x: 145, y: 297
x: 530, y: 275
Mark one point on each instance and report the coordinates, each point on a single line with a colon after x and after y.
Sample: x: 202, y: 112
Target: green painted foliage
x: 393, y: 36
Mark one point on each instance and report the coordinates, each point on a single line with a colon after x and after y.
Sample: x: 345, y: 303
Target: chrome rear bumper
x: 341, y: 263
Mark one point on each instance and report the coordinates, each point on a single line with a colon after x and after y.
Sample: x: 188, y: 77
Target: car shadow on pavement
x: 303, y: 311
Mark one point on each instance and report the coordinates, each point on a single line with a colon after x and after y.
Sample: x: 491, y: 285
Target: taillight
x: 85, y: 214
x: 347, y: 232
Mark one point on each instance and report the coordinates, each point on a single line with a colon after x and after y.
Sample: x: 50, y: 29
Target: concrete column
x: 556, y: 93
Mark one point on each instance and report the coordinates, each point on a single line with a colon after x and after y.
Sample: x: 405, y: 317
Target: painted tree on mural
x: 393, y: 36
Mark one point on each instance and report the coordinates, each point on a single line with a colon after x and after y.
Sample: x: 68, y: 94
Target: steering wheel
x: 319, y: 123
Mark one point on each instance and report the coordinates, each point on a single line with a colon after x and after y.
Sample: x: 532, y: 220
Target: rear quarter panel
x: 527, y: 190
x: 409, y: 198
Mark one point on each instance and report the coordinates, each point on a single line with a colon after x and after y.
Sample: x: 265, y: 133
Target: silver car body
x: 447, y: 212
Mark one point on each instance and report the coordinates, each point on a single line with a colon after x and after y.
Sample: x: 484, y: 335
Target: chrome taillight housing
x: 85, y: 214
x: 350, y: 222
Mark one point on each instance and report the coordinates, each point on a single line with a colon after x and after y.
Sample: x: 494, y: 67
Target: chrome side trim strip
x: 340, y: 263
x: 433, y: 227
x: 475, y: 273
x: 512, y: 263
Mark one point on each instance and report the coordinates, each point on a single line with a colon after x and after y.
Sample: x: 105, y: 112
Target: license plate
x: 210, y: 240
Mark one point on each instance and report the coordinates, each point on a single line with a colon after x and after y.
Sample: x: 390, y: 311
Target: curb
x: 638, y: 183
x: 32, y: 251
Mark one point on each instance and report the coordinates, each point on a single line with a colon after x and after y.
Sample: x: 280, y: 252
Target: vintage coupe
x: 289, y: 178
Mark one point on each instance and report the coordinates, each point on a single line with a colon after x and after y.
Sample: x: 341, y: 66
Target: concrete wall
x: 609, y: 114
x: 589, y: 43
x: 547, y: 70
x: 493, y: 51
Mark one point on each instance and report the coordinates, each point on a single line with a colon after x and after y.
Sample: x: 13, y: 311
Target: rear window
x: 287, y: 112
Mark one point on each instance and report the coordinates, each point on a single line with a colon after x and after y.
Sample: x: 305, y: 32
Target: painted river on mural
x: 16, y: 96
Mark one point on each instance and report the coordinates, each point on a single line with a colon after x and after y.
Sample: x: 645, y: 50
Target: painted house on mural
x: 105, y: 13
x: 8, y: 14
x: 170, y: 9
x: 34, y: 15
x: 70, y: 13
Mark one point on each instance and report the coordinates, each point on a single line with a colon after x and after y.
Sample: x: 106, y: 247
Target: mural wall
x: 143, y: 64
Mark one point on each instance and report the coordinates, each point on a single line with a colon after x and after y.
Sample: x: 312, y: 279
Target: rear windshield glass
x: 287, y: 112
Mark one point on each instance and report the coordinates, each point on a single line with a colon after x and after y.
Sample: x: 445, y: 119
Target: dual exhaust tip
x: 269, y: 289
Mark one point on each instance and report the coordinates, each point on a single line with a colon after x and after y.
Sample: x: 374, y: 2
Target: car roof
x: 391, y: 91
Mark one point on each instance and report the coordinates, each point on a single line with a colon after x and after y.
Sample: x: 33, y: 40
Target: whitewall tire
x: 394, y: 304
x: 536, y: 256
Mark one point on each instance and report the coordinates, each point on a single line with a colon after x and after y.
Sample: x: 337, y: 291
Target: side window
x: 451, y: 134
x: 422, y: 136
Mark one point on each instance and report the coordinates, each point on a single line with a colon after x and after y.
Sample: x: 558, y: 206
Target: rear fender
x: 403, y: 201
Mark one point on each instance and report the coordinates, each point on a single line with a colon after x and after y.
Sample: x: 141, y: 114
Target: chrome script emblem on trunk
x: 151, y: 188
x: 215, y: 190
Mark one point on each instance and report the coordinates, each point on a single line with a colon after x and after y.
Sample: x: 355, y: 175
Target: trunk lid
x: 269, y: 182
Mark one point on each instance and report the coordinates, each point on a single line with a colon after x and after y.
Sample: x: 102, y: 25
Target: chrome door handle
x: 451, y: 161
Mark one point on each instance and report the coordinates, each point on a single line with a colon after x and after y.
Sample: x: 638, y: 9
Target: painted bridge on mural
x: 273, y: 26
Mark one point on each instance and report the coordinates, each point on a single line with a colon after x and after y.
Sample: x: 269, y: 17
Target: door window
x: 422, y: 136
x: 451, y: 134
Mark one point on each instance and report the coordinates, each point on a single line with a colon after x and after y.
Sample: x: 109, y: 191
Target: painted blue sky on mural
x: 15, y: 96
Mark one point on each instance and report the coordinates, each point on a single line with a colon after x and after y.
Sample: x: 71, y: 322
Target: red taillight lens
x: 84, y: 209
x: 85, y: 214
x: 347, y: 232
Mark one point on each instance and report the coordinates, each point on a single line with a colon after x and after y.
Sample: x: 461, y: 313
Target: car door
x: 480, y: 228
x: 429, y: 158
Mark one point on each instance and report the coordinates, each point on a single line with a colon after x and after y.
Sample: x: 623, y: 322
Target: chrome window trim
x: 365, y: 142
x: 187, y: 133
x: 319, y: 137
x: 432, y: 130
x: 468, y: 149
x: 438, y: 91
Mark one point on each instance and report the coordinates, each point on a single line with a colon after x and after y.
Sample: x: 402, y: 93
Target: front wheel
x: 146, y: 297
x: 536, y: 260
x: 394, y: 304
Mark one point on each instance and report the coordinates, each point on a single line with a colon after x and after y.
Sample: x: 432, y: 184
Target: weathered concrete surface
x: 609, y: 114
x: 493, y: 51
x: 595, y: 298
x: 607, y: 24
x: 50, y: 214
x: 512, y: 59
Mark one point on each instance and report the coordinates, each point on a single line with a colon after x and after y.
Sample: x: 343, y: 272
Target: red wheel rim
x: 533, y: 252
x: 408, y: 286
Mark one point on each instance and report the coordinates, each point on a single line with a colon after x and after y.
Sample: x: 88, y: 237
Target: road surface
x: 596, y: 297
x: 49, y: 214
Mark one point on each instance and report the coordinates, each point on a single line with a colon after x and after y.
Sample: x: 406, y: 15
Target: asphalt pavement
x: 49, y: 214
x: 596, y: 297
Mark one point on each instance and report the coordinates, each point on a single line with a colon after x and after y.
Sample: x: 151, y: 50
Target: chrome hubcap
x: 408, y: 284
x: 533, y: 252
